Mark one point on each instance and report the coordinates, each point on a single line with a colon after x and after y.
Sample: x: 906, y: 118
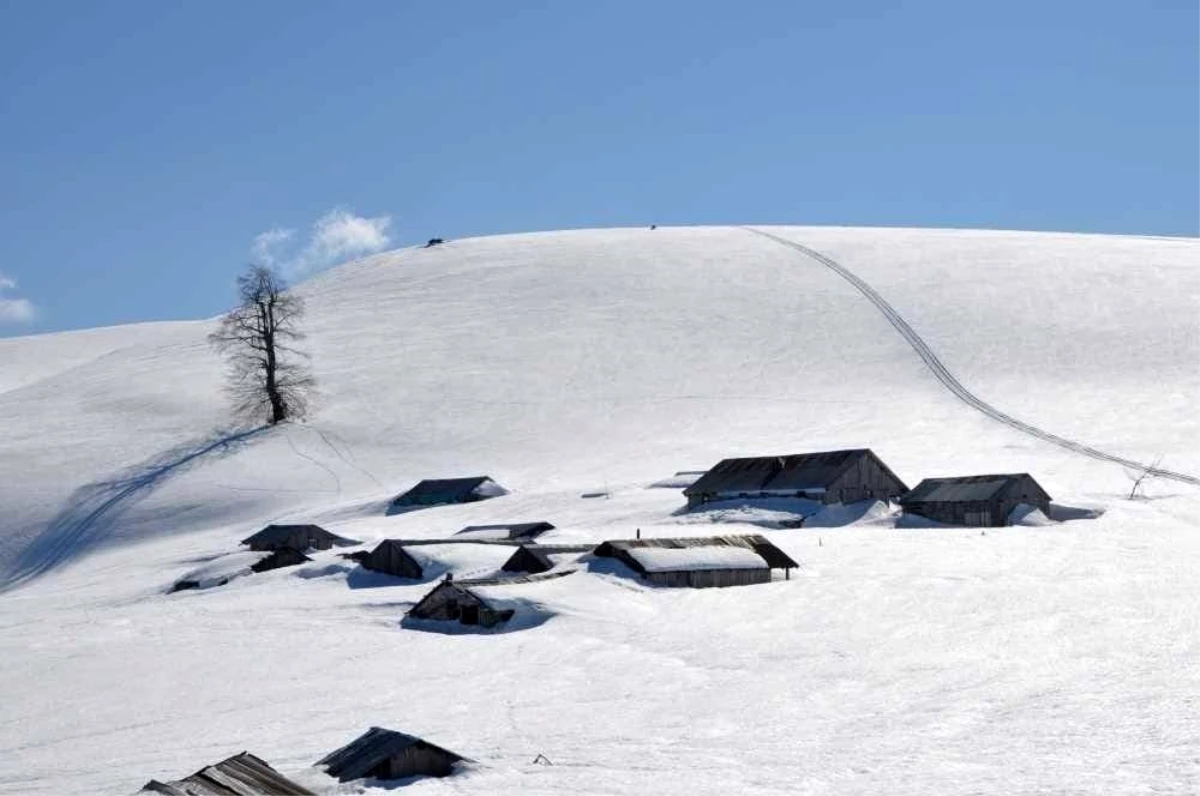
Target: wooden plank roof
x: 965, y: 489
x: 793, y: 472
x: 358, y: 758
x: 240, y: 775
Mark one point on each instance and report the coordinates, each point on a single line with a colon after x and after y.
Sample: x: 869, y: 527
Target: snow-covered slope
x: 562, y: 363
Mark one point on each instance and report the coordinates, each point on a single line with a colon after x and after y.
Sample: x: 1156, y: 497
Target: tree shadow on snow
x: 94, y: 510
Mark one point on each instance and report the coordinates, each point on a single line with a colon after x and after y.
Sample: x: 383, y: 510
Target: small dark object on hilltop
x: 434, y: 242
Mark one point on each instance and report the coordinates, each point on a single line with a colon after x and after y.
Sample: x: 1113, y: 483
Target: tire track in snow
x: 943, y: 374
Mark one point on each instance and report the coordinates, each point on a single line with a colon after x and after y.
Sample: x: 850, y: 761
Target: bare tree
x: 1148, y: 471
x: 268, y: 376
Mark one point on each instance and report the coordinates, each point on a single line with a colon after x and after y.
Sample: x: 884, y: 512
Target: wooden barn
x: 705, y: 562
x: 462, y: 602
x: 975, y: 500
x: 297, y: 537
x: 830, y: 477
x: 439, y: 491
x: 240, y: 775
x: 513, y: 531
x: 390, y: 557
x: 387, y: 754
x: 537, y: 558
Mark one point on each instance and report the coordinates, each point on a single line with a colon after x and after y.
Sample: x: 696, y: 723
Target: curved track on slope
x: 943, y: 374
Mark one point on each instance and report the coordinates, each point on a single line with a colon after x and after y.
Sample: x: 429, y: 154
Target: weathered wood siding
x: 447, y: 603
x: 866, y: 479
x: 709, y: 578
x: 417, y: 760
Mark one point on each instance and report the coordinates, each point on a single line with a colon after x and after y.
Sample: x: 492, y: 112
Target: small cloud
x: 13, y: 310
x: 336, y: 237
x: 265, y: 244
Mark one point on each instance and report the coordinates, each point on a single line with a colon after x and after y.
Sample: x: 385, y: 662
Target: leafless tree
x: 268, y: 376
x: 1141, y: 475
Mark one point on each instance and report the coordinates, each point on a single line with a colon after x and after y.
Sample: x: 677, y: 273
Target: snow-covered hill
x: 1058, y: 658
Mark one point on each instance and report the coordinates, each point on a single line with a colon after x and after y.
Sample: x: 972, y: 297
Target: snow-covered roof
x: 755, y: 544
x: 223, y: 569
x: 666, y: 559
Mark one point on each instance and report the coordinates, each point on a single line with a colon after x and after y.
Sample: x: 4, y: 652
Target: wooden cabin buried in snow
x: 699, y: 563
x: 510, y: 531
x: 297, y: 537
x: 240, y: 775
x: 456, y: 601
x: 439, y: 491
x: 391, y: 558
x: 537, y: 558
x: 831, y: 477
x: 975, y: 500
x: 387, y: 754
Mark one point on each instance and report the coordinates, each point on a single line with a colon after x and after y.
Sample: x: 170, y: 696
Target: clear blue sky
x: 145, y: 144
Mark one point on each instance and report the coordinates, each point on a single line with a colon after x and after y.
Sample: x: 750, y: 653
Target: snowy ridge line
x: 943, y: 374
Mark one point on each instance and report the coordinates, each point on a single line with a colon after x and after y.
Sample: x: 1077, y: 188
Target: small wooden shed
x: 390, y: 557
x: 240, y: 775
x: 536, y: 558
x: 388, y: 754
x: 439, y: 491
x: 975, y: 500
x: 456, y: 601
x: 845, y: 476
x: 297, y: 537
x: 512, y: 531
x: 703, y: 562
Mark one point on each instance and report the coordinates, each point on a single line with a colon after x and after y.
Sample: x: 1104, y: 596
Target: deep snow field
x: 1058, y: 659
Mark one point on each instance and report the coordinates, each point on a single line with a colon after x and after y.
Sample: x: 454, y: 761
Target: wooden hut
x: 704, y: 562
x: 241, y: 775
x: 512, y: 531
x: 297, y: 537
x: 536, y: 558
x: 439, y: 491
x: 391, y: 558
x: 387, y: 754
x: 975, y: 500
x: 458, y: 601
x: 829, y: 477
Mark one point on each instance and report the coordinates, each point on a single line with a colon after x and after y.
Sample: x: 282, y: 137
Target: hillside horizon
x: 578, y: 362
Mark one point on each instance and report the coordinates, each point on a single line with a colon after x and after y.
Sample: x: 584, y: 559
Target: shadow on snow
x: 93, y: 510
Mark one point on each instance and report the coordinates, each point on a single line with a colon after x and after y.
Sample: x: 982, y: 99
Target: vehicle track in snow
x: 943, y: 374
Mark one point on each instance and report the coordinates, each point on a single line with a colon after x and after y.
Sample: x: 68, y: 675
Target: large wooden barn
x: 511, y: 531
x: 975, y: 500
x: 297, y: 537
x: 240, y: 775
x: 387, y: 754
x: 391, y: 558
x: 537, y: 558
x: 440, y: 491
x: 712, y: 561
x: 829, y: 477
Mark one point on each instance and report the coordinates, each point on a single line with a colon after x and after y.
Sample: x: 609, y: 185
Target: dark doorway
x: 469, y: 615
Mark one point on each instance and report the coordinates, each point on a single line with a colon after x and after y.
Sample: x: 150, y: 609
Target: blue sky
x: 147, y: 145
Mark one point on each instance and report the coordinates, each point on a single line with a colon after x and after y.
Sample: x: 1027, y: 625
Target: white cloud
x: 13, y: 310
x: 336, y: 237
x: 265, y: 244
